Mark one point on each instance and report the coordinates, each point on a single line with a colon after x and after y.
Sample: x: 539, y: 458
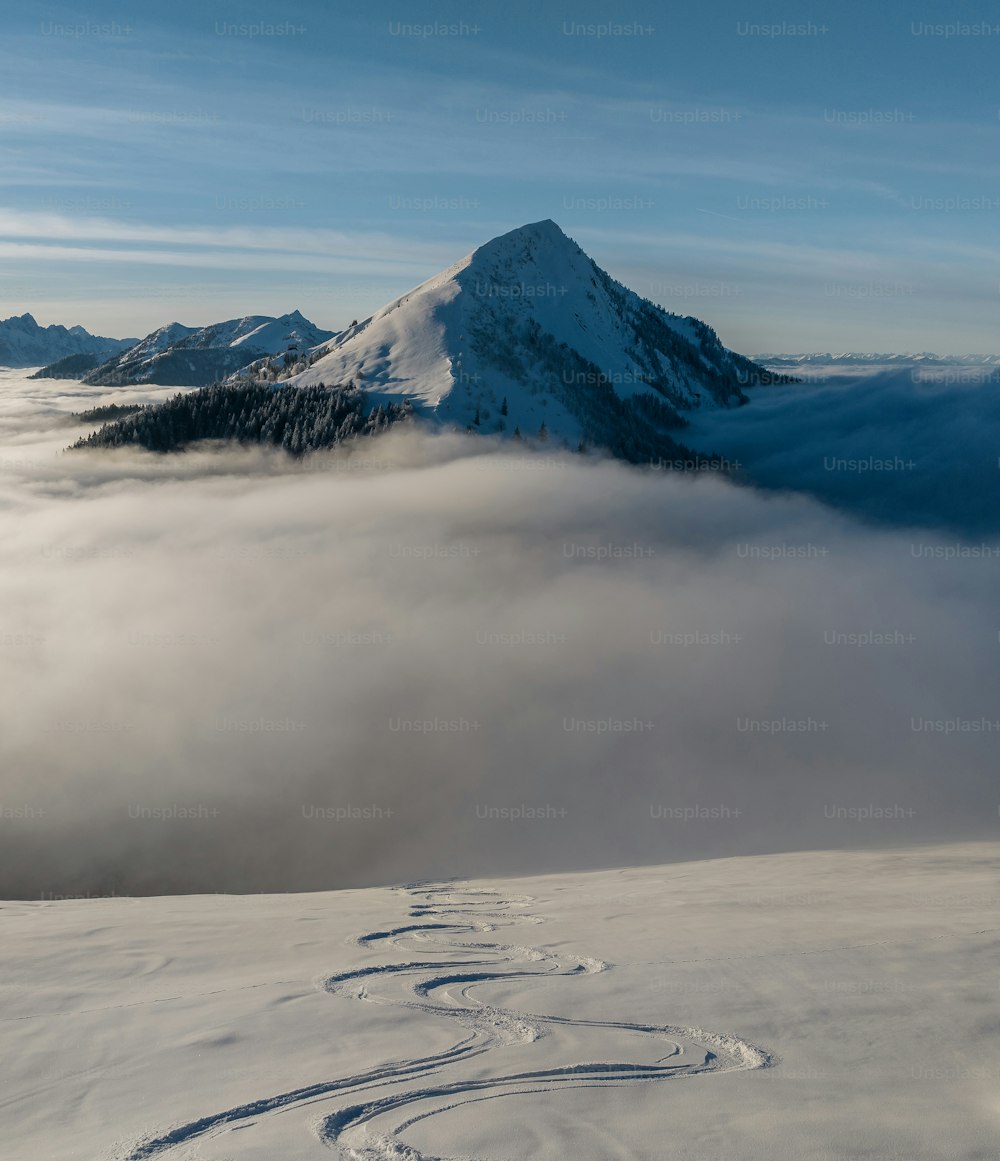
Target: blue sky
x: 802, y: 176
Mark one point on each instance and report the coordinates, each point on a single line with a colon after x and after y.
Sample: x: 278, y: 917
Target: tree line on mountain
x: 107, y: 413
x: 298, y: 419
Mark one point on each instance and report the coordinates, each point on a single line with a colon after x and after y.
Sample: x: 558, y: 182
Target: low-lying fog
x: 227, y: 671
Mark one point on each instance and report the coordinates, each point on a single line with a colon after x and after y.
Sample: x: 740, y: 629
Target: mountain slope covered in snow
x: 528, y: 334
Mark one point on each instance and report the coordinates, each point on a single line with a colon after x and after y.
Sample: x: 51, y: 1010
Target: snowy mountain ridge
x: 196, y: 356
x: 851, y: 358
x: 23, y: 343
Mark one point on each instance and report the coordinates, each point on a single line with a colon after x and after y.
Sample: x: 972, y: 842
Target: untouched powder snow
x: 817, y: 1006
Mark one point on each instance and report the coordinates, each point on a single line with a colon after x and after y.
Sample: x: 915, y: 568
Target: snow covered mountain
x: 23, y: 343
x: 195, y: 356
x: 525, y: 337
x: 528, y: 334
x: 860, y: 358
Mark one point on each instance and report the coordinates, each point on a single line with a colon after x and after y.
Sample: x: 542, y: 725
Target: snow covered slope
x: 23, y: 343
x: 530, y: 318
x: 195, y: 356
x: 275, y: 335
x: 816, y: 1006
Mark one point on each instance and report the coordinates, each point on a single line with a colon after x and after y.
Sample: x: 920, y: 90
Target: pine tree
x: 543, y: 431
x: 298, y: 419
x: 476, y: 420
x: 503, y: 406
x: 517, y: 434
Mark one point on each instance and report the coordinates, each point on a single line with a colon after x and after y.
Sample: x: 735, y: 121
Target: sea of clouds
x: 227, y: 671
x: 910, y: 444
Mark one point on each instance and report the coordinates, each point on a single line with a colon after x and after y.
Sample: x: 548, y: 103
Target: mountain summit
x: 527, y: 330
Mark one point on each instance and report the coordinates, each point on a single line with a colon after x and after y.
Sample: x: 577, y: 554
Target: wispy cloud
x: 417, y: 148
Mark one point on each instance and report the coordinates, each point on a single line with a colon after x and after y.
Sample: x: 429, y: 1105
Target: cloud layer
x: 914, y: 445
x: 224, y: 671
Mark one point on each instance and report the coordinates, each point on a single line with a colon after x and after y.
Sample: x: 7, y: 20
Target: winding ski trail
x: 529, y: 1053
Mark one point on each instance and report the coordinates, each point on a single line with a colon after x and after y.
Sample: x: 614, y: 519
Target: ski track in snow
x: 368, y: 1126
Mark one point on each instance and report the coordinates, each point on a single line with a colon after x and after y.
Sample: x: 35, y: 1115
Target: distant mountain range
x: 196, y: 356
x: 23, y: 343
x: 856, y: 358
x: 524, y: 337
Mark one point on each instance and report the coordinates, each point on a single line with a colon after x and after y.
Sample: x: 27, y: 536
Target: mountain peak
x: 25, y: 320
x: 530, y: 257
x: 528, y: 333
x: 546, y: 228
x: 545, y: 234
x: 294, y: 318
